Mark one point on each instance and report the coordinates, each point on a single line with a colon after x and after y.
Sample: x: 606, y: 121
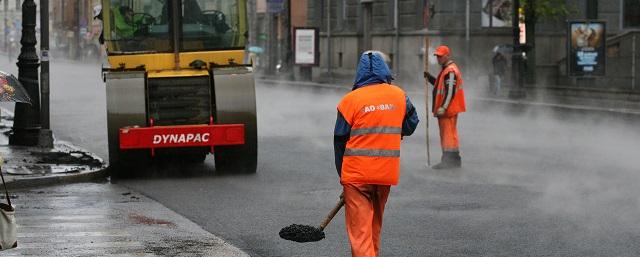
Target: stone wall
x: 448, y: 27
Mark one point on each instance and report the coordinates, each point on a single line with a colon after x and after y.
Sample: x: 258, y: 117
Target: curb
x: 561, y: 106
x: 617, y: 111
x: 88, y: 175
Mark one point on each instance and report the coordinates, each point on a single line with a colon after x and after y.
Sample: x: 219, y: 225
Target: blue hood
x: 372, y: 70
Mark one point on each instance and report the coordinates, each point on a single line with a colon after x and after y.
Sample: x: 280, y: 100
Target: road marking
x: 85, y: 225
x: 71, y: 245
x: 63, y: 218
x: 17, y: 252
x: 101, y: 233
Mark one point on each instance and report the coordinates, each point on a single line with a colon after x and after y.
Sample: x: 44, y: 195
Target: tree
x: 534, y: 10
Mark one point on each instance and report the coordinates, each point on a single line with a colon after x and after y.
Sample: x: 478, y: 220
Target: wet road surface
x: 534, y: 182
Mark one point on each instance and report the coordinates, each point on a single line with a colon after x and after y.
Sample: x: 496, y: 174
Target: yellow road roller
x: 178, y: 83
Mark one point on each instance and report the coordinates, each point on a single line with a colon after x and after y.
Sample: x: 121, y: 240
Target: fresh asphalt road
x: 535, y: 182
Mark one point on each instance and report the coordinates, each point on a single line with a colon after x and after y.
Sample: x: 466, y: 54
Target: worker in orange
x: 448, y: 102
x: 372, y: 120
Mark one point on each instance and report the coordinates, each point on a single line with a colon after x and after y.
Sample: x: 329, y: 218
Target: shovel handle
x: 332, y: 213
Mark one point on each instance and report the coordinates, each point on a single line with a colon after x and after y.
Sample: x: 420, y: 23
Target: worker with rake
x: 448, y: 103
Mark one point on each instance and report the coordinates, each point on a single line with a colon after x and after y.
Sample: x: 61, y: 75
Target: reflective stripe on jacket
x: 372, y: 154
x: 448, y: 91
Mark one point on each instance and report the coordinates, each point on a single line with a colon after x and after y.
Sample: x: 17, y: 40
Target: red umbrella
x: 11, y: 90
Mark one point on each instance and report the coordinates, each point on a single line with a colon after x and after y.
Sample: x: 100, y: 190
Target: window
x: 212, y: 24
x: 140, y: 26
x: 631, y: 14
x: 145, y: 25
x: 497, y: 13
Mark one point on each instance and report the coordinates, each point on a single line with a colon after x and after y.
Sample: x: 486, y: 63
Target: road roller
x: 179, y: 83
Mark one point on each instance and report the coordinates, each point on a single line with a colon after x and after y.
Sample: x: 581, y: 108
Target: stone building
x: 397, y: 28
x: 74, y: 32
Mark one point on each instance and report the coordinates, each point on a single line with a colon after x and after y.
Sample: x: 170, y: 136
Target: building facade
x: 472, y: 28
x: 74, y: 32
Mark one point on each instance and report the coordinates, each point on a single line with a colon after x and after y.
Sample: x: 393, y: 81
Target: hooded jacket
x: 372, y: 71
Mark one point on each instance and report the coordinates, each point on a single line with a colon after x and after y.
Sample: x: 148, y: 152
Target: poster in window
x: 306, y: 46
x: 586, y: 43
x: 497, y: 13
x: 275, y: 6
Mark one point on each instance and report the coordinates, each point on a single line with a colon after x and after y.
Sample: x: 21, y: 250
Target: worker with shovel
x: 372, y: 119
x: 448, y: 102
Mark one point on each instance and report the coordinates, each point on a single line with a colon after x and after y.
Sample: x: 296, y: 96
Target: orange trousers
x: 364, y: 208
x: 449, y: 133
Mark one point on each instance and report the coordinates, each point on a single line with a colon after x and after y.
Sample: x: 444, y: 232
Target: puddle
x: 73, y: 157
x: 141, y: 219
x: 41, y: 169
x: 456, y: 207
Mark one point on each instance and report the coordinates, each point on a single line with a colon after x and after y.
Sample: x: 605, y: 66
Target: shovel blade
x: 301, y: 233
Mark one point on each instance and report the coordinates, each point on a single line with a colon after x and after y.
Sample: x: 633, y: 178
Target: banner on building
x: 275, y: 6
x: 305, y: 46
x: 261, y: 6
x: 497, y: 13
x: 586, y: 48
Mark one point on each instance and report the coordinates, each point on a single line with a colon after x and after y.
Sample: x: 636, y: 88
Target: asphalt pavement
x: 37, y: 167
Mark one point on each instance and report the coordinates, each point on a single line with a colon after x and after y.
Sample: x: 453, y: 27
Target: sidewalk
x: 103, y: 219
x: 57, y: 216
x: 32, y: 166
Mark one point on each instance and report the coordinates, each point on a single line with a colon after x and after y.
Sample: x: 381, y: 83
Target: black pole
x: 26, y: 123
x: 530, y: 19
x: 516, y: 40
x: 79, y: 37
x: 46, y: 138
x: 273, y: 42
x: 6, y: 24
x: 517, y: 90
x: 367, y: 13
x: 329, y: 61
x: 176, y: 31
x: 289, y: 49
x: 592, y: 9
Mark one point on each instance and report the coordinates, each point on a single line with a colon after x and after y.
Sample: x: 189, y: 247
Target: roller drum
x: 235, y: 102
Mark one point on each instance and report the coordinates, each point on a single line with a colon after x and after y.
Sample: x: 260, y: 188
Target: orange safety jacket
x: 448, y: 91
x: 372, y: 154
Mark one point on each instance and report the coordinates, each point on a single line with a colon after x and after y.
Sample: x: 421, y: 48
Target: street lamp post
x: 329, y: 61
x: 45, y: 137
x: 6, y: 24
x: 517, y: 78
x: 366, y: 24
x: 26, y: 123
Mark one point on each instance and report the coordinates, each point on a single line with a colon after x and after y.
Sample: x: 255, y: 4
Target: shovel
x: 306, y: 233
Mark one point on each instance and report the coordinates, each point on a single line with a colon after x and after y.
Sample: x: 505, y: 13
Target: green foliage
x: 550, y: 9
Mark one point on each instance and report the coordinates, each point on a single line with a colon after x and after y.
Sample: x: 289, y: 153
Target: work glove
x: 440, y: 112
x: 429, y: 77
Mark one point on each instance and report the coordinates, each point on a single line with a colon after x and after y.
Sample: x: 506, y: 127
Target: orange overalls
x: 371, y: 162
x: 449, y: 94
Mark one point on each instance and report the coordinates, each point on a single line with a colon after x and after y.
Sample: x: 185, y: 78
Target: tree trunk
x: 530, y: 20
